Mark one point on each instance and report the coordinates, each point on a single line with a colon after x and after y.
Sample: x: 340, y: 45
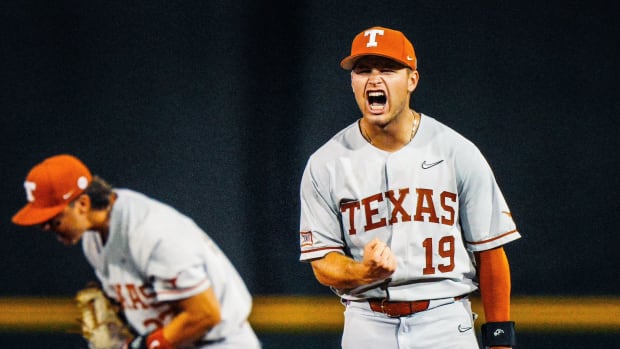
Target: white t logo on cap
x: 372, y: 41
x: 30, y: 187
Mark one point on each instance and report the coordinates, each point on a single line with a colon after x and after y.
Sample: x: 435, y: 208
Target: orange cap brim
x: 31, y: 215
x: 349, y: 62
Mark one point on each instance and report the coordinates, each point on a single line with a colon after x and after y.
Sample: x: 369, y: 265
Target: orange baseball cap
x: 50, y: 186
x: 380, y: 41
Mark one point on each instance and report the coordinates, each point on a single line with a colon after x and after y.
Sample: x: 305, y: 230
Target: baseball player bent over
x: 175, y: 286
x: 402, y: 216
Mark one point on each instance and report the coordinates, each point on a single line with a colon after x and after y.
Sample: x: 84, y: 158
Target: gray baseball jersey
x: 434, y: 202
x: 153, y: 255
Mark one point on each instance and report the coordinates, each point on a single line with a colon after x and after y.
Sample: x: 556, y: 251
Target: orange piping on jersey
x: 177, y: 291
x: 493, y: 239
x: 322, y: 248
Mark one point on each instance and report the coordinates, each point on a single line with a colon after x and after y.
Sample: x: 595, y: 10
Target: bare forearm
x: 185, y: 329
x: 343, y: 272
x: 339, y: 271
x: 195, y: 316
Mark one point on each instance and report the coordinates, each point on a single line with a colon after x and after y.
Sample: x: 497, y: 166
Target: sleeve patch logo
x: 306, y: 238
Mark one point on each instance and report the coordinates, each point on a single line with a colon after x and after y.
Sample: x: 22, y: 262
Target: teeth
x: 376, y: 100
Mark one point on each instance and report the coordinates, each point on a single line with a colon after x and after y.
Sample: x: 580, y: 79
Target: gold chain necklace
x: 414, y: 129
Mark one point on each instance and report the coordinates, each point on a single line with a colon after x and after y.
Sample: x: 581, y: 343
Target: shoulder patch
x: 306, y: 238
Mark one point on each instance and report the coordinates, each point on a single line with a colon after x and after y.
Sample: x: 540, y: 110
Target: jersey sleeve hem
x: 493, y: 242
x: 309, y: 255
x: 176, y: 294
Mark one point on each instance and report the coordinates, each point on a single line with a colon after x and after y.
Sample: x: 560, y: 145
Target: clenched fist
x: 379, y: 260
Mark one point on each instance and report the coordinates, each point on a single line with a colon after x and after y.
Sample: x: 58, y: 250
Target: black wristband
x: 497, y: 334
x: 138, y: 342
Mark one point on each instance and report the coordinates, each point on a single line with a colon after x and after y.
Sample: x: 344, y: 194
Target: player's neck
x: 102, y: 220
x: 394, y: 135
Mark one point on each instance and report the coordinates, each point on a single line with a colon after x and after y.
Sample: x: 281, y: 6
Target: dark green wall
x: 214, y: 107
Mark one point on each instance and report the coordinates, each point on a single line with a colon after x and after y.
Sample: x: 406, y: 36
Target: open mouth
x: 376, y: 100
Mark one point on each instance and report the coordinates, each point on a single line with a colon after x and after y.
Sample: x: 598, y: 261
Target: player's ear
x: 352, y: 89
x: 83, y: 202
x: 414, y: 77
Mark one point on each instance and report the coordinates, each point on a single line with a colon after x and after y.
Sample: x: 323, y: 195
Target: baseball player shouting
x: 402, y: 217
x: 175, y: 286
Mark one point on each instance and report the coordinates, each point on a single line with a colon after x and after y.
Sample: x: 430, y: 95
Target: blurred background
x: 215, y: 106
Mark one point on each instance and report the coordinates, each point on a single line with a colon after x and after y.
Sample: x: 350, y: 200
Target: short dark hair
x: 99, y: 192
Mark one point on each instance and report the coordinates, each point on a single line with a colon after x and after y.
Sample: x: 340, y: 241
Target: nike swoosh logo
x: 427, y: 166
x: 67, y: 195
x: 464, y: 329
x: 409, y: 58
